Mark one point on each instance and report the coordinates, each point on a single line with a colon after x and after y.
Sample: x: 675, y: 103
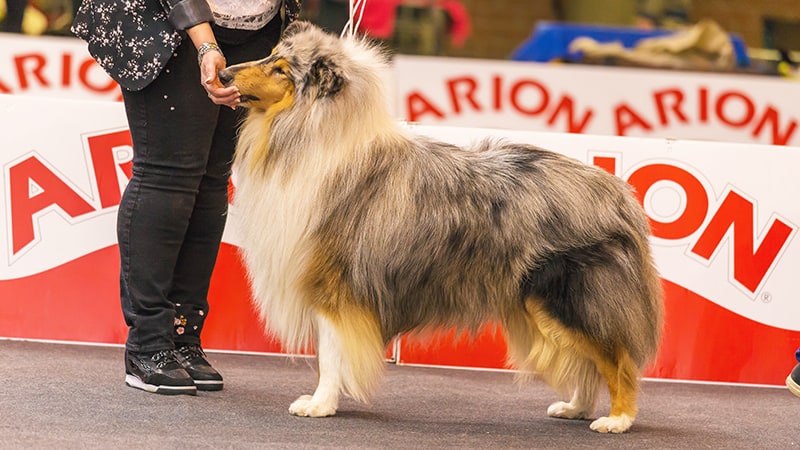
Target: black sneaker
x: 193, y: 359
x: 158, y: 372
x: 793, y: 381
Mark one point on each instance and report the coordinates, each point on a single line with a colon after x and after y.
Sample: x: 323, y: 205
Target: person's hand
x: 211, y: 64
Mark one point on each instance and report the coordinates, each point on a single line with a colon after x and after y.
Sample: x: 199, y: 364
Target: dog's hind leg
x: 351, y: 360
x: 584, y: 398
x: 622, y: 376
x: 579, y: 362
x: 540, y: 344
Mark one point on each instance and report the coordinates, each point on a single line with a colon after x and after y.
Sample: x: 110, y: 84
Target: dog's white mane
x: 340, y: 107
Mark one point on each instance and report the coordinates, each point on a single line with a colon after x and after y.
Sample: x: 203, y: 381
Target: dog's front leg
x: 329, y: 358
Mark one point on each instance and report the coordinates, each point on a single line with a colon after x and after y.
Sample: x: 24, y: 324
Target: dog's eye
x: 277, y: 70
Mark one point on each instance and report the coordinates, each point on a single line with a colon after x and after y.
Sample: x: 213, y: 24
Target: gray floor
x: 73, y: 396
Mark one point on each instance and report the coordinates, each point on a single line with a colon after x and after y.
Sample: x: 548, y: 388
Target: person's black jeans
x: 173, y: 211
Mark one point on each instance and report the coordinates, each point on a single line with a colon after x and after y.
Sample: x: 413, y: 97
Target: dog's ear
x: 298, y: 26
x: 326, y: 76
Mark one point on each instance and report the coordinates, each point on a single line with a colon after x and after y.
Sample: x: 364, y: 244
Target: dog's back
x: 435, y: 235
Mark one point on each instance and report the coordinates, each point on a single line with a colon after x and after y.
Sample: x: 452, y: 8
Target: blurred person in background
x: 422, y: 27
x: 429, y: 27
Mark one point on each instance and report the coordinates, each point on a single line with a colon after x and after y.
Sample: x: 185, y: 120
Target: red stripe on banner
x: 77, y: 301
x: 706, y: 342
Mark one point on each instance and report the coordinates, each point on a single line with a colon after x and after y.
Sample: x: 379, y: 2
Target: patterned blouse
x: 133, y: 39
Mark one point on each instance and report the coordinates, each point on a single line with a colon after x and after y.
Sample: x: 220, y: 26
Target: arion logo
x: 706, y: 223
x: 657, y: 108
x: 34, y: 188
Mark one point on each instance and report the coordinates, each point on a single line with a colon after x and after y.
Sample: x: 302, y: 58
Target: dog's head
x: 307, y: 63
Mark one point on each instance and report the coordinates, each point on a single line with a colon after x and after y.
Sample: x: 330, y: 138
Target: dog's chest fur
x: 278, y: 211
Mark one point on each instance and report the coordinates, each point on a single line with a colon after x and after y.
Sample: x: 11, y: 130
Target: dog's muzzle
x: 225, y: 76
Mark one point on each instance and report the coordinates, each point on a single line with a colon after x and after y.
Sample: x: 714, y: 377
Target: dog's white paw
x: 305, y: 406
x: 564, y: 410
x: 612, y: 424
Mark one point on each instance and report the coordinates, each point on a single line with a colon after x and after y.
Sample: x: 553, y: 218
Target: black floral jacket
x: 132, y: 40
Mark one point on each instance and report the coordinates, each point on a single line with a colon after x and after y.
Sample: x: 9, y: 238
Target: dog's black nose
x: 225, y: 76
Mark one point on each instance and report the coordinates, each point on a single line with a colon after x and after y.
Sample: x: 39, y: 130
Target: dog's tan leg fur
x: 350, y: 355
x: 569, y: 361
x: 623, y: 384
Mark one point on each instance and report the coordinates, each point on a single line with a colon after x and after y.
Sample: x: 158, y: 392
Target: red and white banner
x: 64, y: 166
x: 724, y: 216
x: 52, y: 66
x: 596, y: 100
x: 496, y: 94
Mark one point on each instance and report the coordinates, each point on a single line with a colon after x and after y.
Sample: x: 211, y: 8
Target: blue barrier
x: 550, y: 40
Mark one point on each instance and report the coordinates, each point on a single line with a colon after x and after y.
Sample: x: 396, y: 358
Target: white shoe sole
x: 135, y: 382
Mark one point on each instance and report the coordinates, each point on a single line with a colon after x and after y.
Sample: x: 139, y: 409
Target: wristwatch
x: 206, y: 47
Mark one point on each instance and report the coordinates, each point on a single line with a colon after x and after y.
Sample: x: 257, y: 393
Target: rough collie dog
x: 355, y: 230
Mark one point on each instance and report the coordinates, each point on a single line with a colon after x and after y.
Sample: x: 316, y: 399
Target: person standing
x: 165, y: 54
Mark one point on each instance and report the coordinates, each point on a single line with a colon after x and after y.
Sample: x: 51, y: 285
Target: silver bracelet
x: 206, y: 47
